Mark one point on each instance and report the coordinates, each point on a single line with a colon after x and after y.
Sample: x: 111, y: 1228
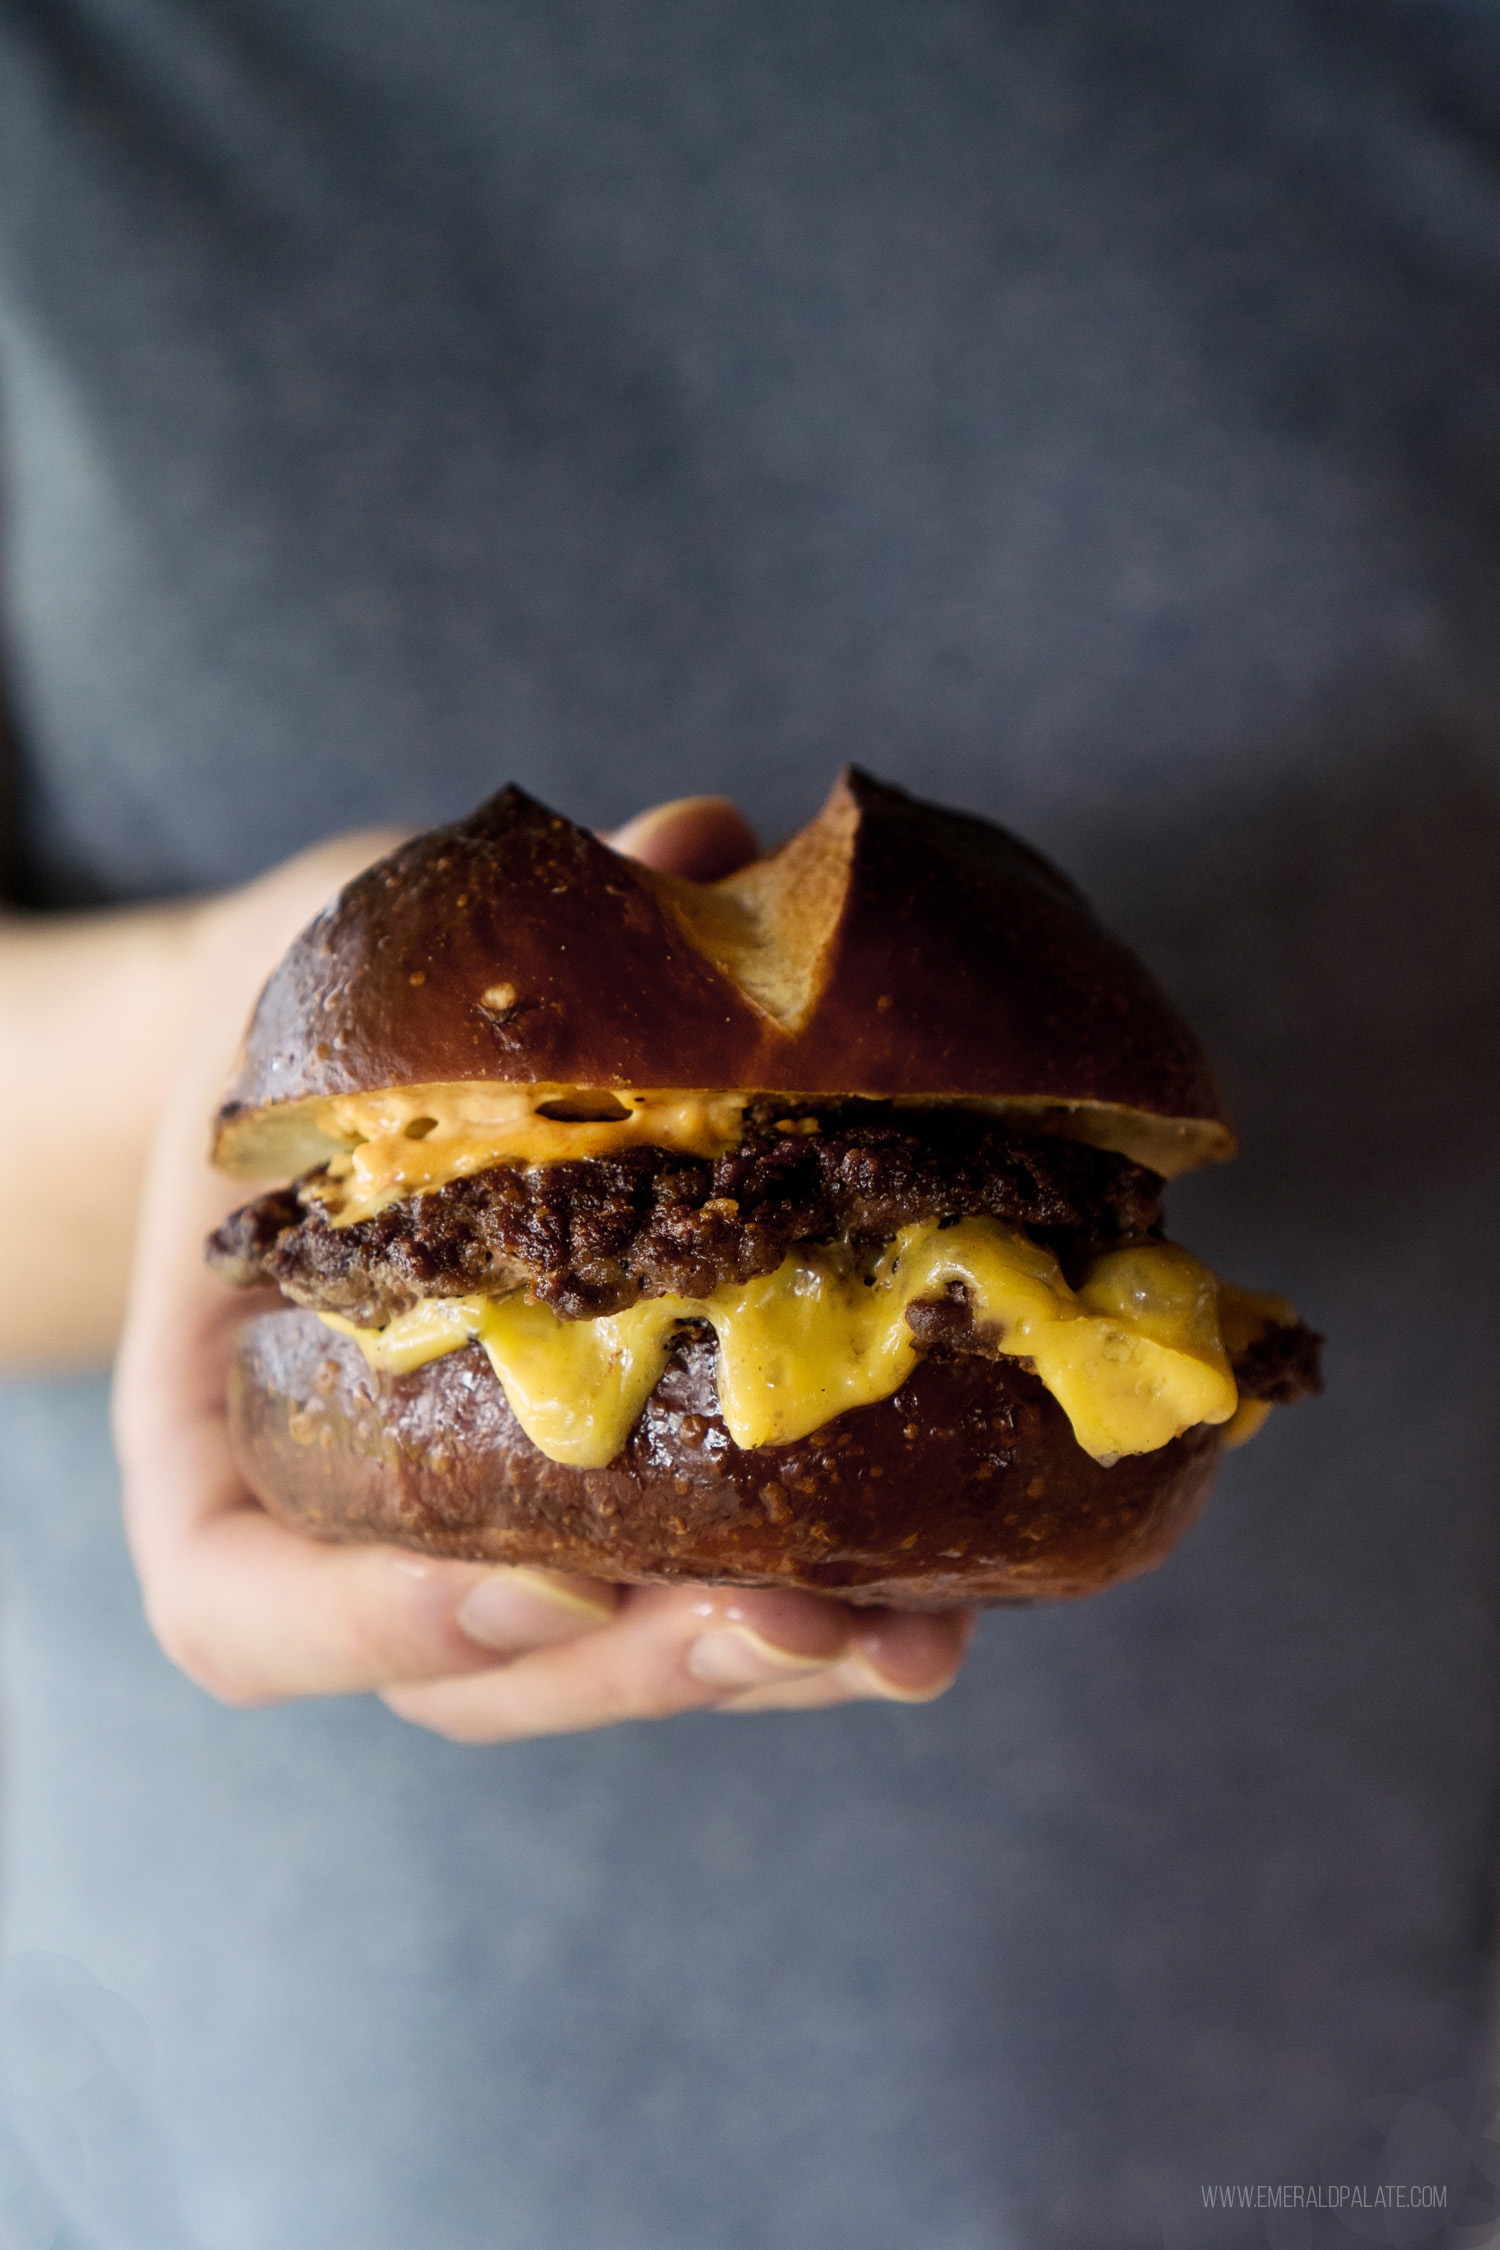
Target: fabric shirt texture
x: 1082, y: 414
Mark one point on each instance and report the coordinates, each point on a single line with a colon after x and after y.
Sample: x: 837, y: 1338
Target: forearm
x: 92, y: 1011
x: 99, y: 1014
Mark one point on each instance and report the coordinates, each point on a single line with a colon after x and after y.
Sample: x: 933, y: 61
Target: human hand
x: 258, y: 1614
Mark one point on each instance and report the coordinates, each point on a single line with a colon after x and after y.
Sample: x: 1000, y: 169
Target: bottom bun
x: 967, y: 1485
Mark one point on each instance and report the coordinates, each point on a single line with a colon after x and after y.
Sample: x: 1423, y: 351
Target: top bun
x: 890, y: 948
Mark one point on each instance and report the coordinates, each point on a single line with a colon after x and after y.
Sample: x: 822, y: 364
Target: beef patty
x: 592, y: 1237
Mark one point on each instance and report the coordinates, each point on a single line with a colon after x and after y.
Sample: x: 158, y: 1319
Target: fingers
x: 673, y: 1649
x: 894, y: 1655
x: 700, y: 837
x: 257, y: 1615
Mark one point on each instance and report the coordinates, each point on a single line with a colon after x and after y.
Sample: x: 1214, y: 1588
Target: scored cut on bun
x: 903, y: 1037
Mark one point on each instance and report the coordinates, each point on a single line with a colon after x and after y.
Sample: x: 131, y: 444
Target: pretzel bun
x: 891, y: 948
x: 965, y: 1486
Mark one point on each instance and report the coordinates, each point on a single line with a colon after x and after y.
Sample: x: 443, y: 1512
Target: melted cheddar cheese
x: 1133, y: 1357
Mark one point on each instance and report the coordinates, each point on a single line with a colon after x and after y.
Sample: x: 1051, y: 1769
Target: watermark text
x: 1294, y: 2195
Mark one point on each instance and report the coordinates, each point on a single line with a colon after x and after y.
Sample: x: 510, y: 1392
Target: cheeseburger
x: 802, y: 1228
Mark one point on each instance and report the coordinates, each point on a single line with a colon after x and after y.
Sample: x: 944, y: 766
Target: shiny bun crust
x: 890, y: 948
x: 966, y: 1485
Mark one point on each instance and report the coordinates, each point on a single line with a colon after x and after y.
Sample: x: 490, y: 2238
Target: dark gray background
x: 1087, y: 414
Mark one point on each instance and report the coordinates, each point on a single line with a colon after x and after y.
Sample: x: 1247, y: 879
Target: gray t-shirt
x: 1083, y: 413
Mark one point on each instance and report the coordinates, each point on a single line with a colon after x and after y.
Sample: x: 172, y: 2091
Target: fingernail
x: 874, y: 1686
x: 733, y: 1657
x: 515, y: 1608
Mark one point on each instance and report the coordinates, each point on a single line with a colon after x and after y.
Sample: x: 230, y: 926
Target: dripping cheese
x: 1134, y: 1356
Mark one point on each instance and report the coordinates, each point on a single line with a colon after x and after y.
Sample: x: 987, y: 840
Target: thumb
x: 700, y: 837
